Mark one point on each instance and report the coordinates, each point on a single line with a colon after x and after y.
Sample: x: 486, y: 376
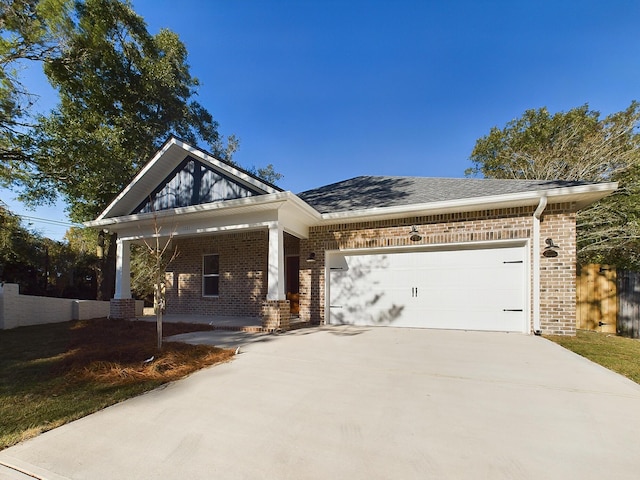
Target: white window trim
x: 210, y: 275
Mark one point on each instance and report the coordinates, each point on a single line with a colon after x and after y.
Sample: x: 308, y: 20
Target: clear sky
x: 326, y: 90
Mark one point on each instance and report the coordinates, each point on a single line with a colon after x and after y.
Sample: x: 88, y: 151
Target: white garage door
x: 476, y: 289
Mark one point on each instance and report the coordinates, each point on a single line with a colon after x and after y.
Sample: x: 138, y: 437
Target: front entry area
x: 292, y: 280
x: 464, y: 289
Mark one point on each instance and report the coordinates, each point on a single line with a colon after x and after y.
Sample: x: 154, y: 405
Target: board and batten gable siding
x: 194, y: 183
x: 509, y: 224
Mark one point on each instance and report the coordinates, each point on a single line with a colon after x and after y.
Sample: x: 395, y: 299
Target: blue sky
x: 327, y: 90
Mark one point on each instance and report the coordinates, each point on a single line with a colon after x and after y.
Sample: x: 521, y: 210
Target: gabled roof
x: 169, y: 157
x: 241, y: 200
x: 368, y: 192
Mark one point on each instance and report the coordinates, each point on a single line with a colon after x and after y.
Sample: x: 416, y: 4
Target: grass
x: 619, y: 354
x: 53, y: 374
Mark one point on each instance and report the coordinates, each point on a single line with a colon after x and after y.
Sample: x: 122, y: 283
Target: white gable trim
x: 166, y: 160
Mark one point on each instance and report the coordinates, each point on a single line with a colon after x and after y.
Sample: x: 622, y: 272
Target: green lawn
x: 619, y: 354
x: 53, y: 374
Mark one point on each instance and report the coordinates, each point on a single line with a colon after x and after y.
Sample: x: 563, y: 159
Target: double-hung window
x: 211, y: 275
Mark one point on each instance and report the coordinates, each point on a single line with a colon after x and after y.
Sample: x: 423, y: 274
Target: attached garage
x: 451, y: 253
x: 479, y: 287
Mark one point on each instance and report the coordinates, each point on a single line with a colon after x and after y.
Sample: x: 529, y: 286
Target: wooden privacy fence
x: 608, y: 300
x: 629, y: 303
x: 596, y: 298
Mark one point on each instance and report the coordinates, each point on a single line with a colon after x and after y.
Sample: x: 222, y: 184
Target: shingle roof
x: 368, y: 192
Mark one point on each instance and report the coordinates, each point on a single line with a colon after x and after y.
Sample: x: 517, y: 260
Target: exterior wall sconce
x: 312, y: 257
x: 551, y: 250
x: 414, y: 235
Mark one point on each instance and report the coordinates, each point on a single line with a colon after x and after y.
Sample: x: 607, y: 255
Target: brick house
x: 476, y: 254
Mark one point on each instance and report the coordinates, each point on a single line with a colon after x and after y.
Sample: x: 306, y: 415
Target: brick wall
x: 558, y: 275
x: 122, y: 309
x: 243, y: 260
x: 558, y: 284
x: 243, y: 277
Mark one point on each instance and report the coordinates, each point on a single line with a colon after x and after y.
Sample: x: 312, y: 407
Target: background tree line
x: 577, y: 145
x: 67, y: 269
x: 42, y: 266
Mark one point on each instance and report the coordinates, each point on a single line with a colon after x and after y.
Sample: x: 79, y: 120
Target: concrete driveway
x: 363, y: 403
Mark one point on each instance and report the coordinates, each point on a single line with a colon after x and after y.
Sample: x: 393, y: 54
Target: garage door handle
x: 512, y: 310
x: 335, y: 306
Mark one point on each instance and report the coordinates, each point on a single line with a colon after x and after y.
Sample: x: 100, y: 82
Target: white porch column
x: 123, y: 270
x: 275, y: 275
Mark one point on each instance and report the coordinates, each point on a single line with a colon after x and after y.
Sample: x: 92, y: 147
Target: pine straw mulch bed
x: 114, y: 352
x: 53, y: 374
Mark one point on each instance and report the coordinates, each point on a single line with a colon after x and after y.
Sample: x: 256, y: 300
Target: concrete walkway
x: 363, y: 403
x: 213, y: 320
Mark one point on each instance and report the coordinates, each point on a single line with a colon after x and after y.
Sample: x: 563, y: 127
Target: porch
x: 232, y: 270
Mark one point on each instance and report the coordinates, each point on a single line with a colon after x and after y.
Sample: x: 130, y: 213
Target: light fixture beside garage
x: 312, y: 257
x: 551, y: 250
x: 414, y: 235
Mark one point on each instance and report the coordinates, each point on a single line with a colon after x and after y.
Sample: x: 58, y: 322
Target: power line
x: 49, y: 221
x: 46, y: 227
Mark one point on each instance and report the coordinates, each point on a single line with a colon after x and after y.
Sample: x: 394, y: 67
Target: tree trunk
x: 159, y: 299
x: 107, y: 274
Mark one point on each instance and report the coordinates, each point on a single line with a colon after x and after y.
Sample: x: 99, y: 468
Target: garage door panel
x: 360, y: 292
x: 464, y: 289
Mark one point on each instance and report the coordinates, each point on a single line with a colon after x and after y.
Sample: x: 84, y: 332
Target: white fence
x: 24, y: 310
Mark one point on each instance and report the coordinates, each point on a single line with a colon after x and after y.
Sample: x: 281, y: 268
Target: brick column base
x: 122, y: 308
x: 276, y: 314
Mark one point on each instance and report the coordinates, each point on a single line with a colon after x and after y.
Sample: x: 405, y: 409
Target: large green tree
x: 30, y: 31
x: 576, y: 145
x: 122, y: 92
